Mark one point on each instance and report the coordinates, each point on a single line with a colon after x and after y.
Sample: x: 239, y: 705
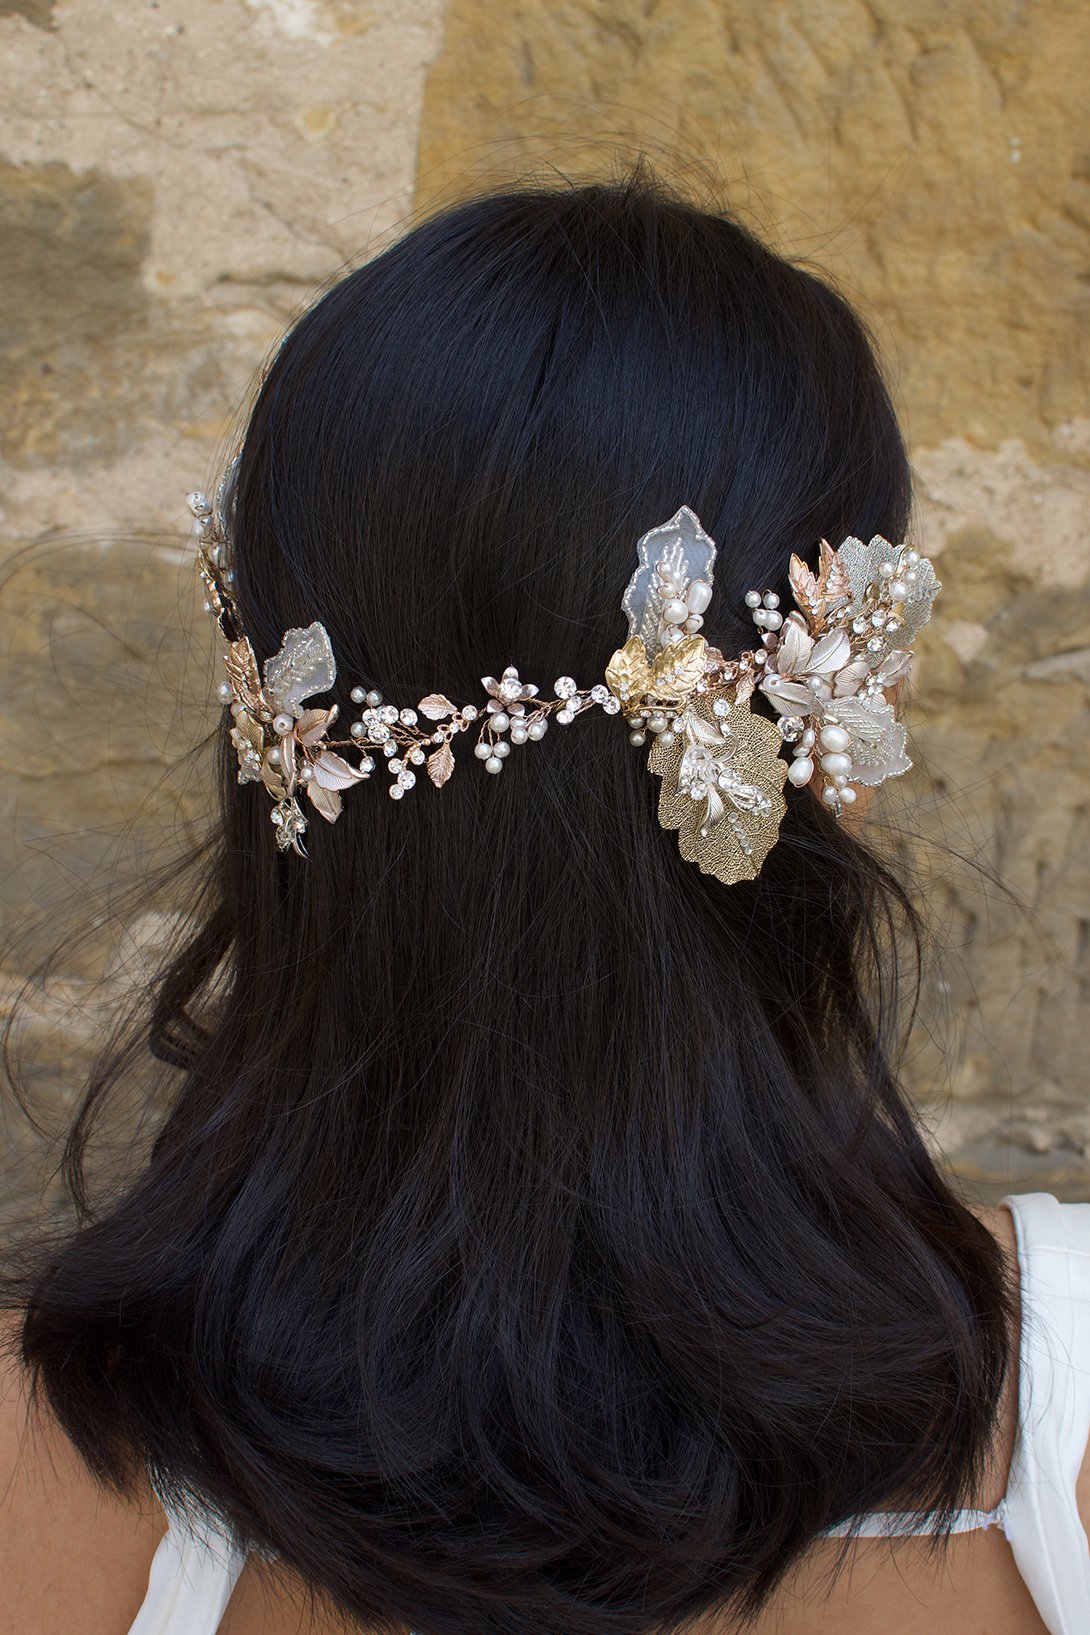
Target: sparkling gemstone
x: 510, y: 689
x: 390, y: 748
x: 471, y: 712
x: 599, y: 693
x: 611, y: 705
x: 791, y: 728
x: 388, y: 713
x: 406, y: 779
x: 564, y: 687
x: 721, y: 707
x: 859, y: 625
x: 377, y: 733
x: 875, y: 645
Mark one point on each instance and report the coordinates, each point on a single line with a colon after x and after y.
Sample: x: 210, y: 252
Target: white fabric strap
x: 190, y: 1582
x: 898, y: 1523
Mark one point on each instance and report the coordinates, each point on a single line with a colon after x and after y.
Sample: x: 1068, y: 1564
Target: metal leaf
x: 830, y: 654
x: 807, y: 592
x: 326, y: 801
x: 332, y: 771
x: 312, y: 725
x: 628, y: 674
x: 790, y: 697
x: 677, y: 668
x: 440, y: 765
x: 436, y: 707
x: 242, y: 673
x: 794, y: 646
x: 833, y: 577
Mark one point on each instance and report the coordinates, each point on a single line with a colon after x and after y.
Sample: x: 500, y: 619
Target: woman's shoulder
x: 72, y: 1556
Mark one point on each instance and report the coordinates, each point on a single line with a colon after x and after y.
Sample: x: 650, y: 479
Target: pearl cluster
x: 832, y: 743
x: 504, y: 722
x: 683, y: 604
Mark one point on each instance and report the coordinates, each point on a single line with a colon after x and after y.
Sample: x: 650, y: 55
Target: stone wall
x: 178, y: 177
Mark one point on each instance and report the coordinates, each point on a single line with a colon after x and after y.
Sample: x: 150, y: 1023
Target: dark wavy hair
x: 537, y: 1239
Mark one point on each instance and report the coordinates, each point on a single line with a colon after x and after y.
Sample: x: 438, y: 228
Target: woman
x: 538, y: 1238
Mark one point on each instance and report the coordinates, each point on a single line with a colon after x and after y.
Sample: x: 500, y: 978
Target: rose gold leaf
x: 435, y: 707
x: 833, y: 579
x: 334, y: 772
x: 807, y: 593
x: 743, y: 687
x: 243, y: 674
x: 287, y: 762
x: 326, y: 801
x: 312, y: 725
x: 270, y: 777
x: 440, y: 764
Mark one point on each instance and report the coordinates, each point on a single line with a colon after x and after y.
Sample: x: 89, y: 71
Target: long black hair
x: 537, y: 1239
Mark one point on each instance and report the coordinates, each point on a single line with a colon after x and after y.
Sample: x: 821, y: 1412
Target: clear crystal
x: 510, y: 688
x: 388, y: 713
x: 721, y: 707
x: 564, y: 687
x: 611, y: 705
x: 599, y: 693
x: 791, y: 728
x: 377, y: 733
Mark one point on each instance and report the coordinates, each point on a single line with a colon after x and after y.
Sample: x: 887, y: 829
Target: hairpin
x: 823, y: 667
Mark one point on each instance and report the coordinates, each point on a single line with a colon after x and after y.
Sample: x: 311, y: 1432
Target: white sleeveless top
x: 193, y: 1574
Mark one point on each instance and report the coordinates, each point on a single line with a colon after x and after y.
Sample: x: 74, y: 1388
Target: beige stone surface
x: 934, y: 160
x: 178, y: 176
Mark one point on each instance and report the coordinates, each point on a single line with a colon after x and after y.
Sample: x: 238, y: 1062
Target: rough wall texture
x: 177, y: 176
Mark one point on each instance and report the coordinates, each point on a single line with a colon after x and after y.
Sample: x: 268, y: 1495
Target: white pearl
x: 760, y: 616
x: 373, y: 697
x: 911, y: 576
x: 800, y: 771
x: 675, y: 612
x: 808, y: 739
x: 847, y: 794
x: 773, y: 620
x: 753, y: 598
x: 698, y: 595
x: 841, y: 779
x: 637, y: 738
x: 482, y: 750
x: 500, y: 721
x: 307, y: 772
x: 835, y: 738
x: 830, y: 795
x: 501, y: 750
x: 358, y: 729
x: 357, y: 695
x: 668, y: 737
x: 536, y: 729
x: 693, y: 623
x: 493, y: 764
x: 518, y: 735
x: 912, y: 557
x: 834, y: 763
x: 657, y: 723
x: 224, y: 690
x: 274, y: 757
x: 283, y: 724
x: 771, y: 599
x: 564, y: 716
x: 898, y: 589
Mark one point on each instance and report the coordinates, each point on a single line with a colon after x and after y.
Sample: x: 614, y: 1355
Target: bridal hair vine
x: 823, y: 668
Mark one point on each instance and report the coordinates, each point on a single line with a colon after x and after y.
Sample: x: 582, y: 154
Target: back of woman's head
x: 537, y: 1239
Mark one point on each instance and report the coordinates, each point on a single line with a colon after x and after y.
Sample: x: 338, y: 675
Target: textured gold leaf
x: 677, y: 669
x: 440, y: 765
x: 251, y: 730
x: 325, y: 801
x: 435, y: 707
x: 628, y: 674
x: 807, y: 593
x: 754, y: 752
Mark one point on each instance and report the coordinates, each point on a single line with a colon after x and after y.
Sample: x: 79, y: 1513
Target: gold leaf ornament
x: 722, y: 787
x: 677, y: 668
x: 628, y: 675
